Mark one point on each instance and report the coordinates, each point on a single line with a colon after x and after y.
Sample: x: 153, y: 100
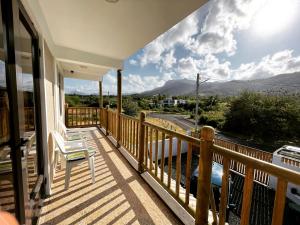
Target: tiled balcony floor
x: 119, y: 195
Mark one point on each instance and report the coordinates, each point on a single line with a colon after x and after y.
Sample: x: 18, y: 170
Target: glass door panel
x: 7, y: 201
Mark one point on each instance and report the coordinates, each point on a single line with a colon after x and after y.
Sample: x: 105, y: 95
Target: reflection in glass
x: 6, y: 176
x: 26, y: 106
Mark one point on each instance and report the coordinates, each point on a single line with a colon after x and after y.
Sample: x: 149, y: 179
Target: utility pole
x: 108, y: 99
x: 197, y: 102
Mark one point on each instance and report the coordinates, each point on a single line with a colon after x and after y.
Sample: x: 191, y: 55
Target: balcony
x: 128, y: 176
x: 140, y: 174
x: 119, y: 195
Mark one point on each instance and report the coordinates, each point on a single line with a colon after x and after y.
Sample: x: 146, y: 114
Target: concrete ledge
x: 178, y: 210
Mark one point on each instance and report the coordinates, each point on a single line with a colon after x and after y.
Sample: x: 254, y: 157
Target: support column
x: 119, y: 106
x: 100, y: 95
x: 205, y: 168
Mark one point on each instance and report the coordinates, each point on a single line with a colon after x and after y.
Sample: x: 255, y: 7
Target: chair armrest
x: 75, y: 151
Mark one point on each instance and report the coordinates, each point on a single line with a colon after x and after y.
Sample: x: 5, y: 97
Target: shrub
x: 130, y: 108
x: 264, y: 116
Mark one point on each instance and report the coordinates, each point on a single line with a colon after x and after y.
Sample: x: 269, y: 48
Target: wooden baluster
x: 130, y: 135
x: 67, y: 116
x: 178, y: 166
x: 279, y: 202
x: 146, y: 147
x: 170, y: 160
x: 137, y: 139
x: 224, y: 191
x: 87, y: 116
x: 122, y: 130
x: 127, y: 133
x: 162, y: 160
x: 213, y: 207
x: 150, y: 153
x: 205, y: 168
x: 106, y: 118
x: 188, y: 175
x: 156, y: 152
x: 133, y: 138
x: 141, y: 142
x: 247, y: 195
x: 73, y: 117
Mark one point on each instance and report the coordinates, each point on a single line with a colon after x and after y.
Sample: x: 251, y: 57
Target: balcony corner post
x: 141, y: 143
x: 66, y: 115
x: 100, y: 102
x: 119, y: 107
x: 106, y: 119
x: 205, y: 168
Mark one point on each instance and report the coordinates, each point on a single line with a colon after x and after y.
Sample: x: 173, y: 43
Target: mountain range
x: 283, y: 83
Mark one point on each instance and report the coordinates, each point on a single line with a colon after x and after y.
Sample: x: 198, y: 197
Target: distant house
x: 181, y: 102
x: 172, y: 102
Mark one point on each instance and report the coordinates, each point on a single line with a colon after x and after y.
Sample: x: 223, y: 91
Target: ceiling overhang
x: 101, y: 34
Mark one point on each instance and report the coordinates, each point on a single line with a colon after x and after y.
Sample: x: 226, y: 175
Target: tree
x: 264, y: 116
x: 130, y: 107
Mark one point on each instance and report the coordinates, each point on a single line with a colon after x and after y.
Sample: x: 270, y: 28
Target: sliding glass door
x: 21, y: 155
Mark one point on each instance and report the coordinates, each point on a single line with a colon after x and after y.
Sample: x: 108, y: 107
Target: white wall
x: 49, y: 97
x: 184, y: 148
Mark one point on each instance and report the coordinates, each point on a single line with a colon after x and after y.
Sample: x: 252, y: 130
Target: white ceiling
x: 101, y: 33
x: 82, y: 71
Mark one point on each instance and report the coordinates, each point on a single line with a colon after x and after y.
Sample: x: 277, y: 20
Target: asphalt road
x: 189, y: 124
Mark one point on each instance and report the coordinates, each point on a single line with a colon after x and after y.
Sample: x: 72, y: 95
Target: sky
x: 223, y: 40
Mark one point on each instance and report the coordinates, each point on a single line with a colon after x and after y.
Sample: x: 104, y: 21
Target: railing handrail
x: 129, y: 117
x: 82, y: 107
x: 194, y: 141
x: 244, y: 146
x: 275, y: 170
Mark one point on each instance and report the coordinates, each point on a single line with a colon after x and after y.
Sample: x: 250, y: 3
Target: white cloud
x: 224, y: 18
x: 134, y: 83
x: 164, y: 44
x: 188, y: 67
x: 133, y: 62
x: 81, y: 87
x: 270, y: 65
x: 169, y: 60
x: 210, y: 67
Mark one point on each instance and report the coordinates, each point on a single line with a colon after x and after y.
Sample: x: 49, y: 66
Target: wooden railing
x: 29, y: 123
x: 156, y: 148
x: 208, y: 148
x: 81, y: 116
x: 238, y: 167
x: 112, y: 122
x: 29, y: 118
x: 130, y: 134
x: 162, y: 147
x: 4, y: 128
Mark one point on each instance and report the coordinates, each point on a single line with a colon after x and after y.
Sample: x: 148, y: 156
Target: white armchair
x: 75, y: 152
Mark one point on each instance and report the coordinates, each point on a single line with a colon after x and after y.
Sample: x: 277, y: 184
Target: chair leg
x: 35, y: 164
x: 55, y: 162
x: 68, y: 174
x: 62, y: 162
x: 92, y: 168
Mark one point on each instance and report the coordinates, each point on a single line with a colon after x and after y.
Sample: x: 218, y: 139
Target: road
x: 189, y: 124
x: 179, y: 120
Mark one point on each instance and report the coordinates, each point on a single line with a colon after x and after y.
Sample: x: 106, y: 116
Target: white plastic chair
x: 68, y: 134
x: 74, y: 153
